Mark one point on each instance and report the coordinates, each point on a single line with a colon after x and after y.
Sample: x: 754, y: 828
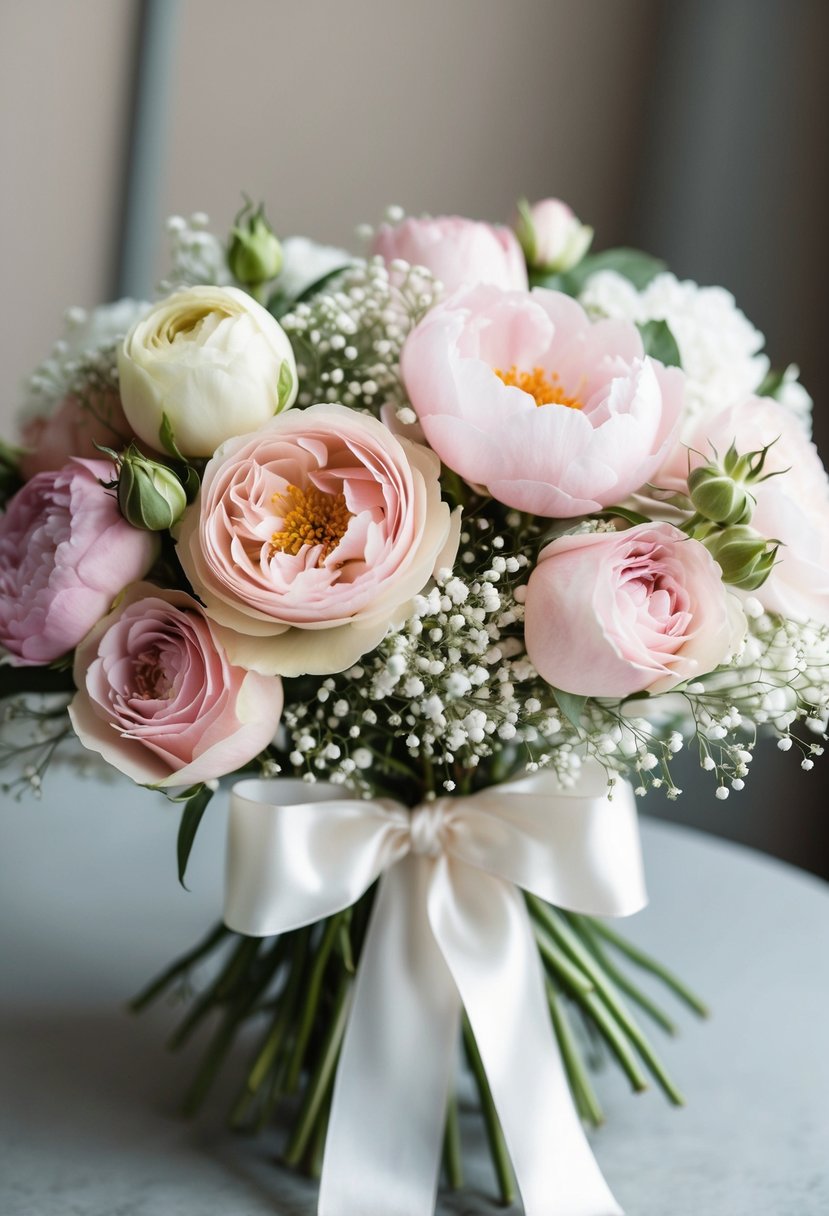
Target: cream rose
x: 310, y: 537
x: 211, y: 359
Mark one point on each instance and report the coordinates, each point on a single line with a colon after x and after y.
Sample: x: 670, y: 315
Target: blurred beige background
x: 695, y: 128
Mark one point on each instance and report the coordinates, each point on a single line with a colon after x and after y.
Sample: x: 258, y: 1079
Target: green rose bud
x: 150, y: 494
x: 254, y: 254
x: 717, y: 497
x: 745, y: 557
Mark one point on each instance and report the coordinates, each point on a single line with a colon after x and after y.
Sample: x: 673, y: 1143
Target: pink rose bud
x: 457, y: 251
x: 609, y: 614
x: 158, y: 698
x: 65, y: 553
x: 552, y: 237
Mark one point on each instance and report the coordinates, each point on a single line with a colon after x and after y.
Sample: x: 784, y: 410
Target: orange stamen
x: 310, y: 517
x: 544, y: 387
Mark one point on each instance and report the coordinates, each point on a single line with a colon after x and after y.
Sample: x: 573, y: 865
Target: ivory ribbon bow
x: 449, y: 929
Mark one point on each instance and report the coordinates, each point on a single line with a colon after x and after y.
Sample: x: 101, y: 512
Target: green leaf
x: 632, y: 517
x: 284, y: 384
x: 167, y: 439
x: 571, y: 706
x: 553, y: 282
x: 191, y: 817
x: 191, y: 482
x: 280, y: 303
x: 632, y: 264
x: 770, y: 385
x: 660, y: 343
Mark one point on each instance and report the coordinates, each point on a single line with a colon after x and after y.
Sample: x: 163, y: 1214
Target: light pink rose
x: 310, y: 537
x: 73, y: 430
x: 158, y: 698
x: 613, y: 613
x: 792, y: 507
x: 519, y: 392
x: 65, y: 553
x: 457, y: 251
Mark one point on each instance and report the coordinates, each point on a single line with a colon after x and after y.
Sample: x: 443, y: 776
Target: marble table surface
x: 90, y: 908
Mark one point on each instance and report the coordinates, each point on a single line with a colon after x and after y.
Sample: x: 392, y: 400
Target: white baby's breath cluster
x: 83, y: 362
x: 721, y: 351
x: 349, y: 336
x: 453, y: 686
x: 779, y: 680
x: 197, y: 255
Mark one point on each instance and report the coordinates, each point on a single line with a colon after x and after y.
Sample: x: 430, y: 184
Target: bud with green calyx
x: 150, y: 494
x: 719, y: 490
x: 745, y: 557
x: 717, y: 497
x: 254, y: 253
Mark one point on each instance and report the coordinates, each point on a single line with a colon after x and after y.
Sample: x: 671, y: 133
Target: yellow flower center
x: 544, y: 387
x: 310, y: 517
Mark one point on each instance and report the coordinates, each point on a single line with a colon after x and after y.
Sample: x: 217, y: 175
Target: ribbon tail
x: 385, y: 1132
x: 484, y: 931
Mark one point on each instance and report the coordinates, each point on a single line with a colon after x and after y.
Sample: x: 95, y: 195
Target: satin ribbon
x: 449, y: 929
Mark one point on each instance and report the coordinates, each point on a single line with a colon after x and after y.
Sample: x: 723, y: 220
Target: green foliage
x: 571, y: 706
x: 191, y: 817
x: 637, y: 267
x: 660, y: 343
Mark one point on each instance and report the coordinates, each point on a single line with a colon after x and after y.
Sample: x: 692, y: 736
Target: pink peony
x: 613, y: 613
x: 792, y: 507
x: 73, y: 430
x: 65, y: 553
x: 158, y: 698
x: 457, y: 251
x: 520, y: 393
x: 310, y: 537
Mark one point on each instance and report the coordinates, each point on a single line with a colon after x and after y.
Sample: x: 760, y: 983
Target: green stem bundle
x: 295, y: 991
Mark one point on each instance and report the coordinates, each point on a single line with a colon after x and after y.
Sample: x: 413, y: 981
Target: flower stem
x: 452, y: 1154
x: 637, y: 956
x: 645, y: 1003
x: 583, y: 1092
x: 567, y: 937
x: 494, y: 1134
x: 321, y: 1078
x: 239, y: 960
x: 312, y: 998
x: 158, y: 985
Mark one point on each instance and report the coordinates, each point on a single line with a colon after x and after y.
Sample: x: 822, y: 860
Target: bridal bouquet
x: 447, y: 549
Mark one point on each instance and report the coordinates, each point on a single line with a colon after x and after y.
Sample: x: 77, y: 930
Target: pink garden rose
x: 792, y: 507
x: 73, y: 430
x: 158, y: 698
x: 310, y: 537
x: 520, y: 393
x: 457, y: 251
x: 613, y: 613
x: 65, y: 553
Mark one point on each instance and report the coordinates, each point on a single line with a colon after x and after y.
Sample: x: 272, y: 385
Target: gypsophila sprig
x: 348, y: 337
